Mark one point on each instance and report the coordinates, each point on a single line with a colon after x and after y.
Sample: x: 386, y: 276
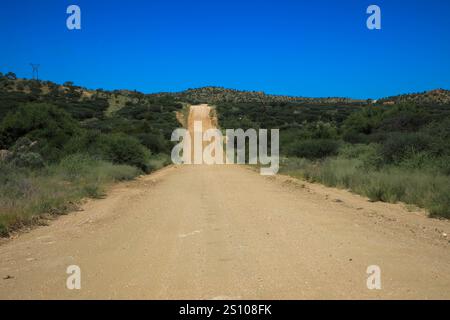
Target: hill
x: 62, y: 142
x: 84, y: 102
x: 214, y: 95
x: 438, y: 97
x: 80, y: 102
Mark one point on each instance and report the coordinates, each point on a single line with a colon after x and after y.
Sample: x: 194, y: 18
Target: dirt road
x: 225, y: 232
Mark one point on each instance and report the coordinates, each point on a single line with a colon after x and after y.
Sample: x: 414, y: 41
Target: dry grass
x: 26, y: 195
x: 426, y: 189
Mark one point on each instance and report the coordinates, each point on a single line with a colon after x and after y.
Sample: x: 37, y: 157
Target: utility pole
x: 35, y: 71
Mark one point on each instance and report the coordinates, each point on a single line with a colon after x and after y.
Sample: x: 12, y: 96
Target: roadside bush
x: 425, y: 189
x: 26, y: 194
x: 154, y: 142
x: 369, y: 154
x: 159, y: 161
x: 440, y: 205
x: 322, y: 130
x: 79, y: 166
x: 123, y: 149
x: 405, y: 121
x: 443, y: 164
x: 29, y: 159
x: 400, y: 145
x: 364, y: 121
x: 440, y: 131
x: 44, y: 123
x: 84, y: 142
x: 352, y: 136
x: 75, y: 166
x: 313, y: 148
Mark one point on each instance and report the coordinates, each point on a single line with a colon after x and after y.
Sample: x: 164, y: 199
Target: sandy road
x: 200, y: 113
x: 225, y: 232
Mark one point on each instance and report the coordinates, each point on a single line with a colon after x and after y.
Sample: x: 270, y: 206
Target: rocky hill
x: 438, y: 97
x: 80, y: 102
x: 83, y: 102
x: 214, y: 95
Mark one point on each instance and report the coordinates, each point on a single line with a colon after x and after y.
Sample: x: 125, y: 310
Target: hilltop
x: 213, y: 95
x: 436, y: 97
x: 80, y: 102
x: 86, y: 102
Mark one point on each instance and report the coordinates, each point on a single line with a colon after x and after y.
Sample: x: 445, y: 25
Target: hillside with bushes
x: 390, y: 153
x: 59, y: 143
x: 214, y: 95
x: 438, y: 97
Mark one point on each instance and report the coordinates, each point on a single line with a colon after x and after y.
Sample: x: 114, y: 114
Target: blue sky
x: 295, y: 47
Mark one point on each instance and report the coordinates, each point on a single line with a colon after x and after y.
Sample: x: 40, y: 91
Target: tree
x: 123, y: 149
x: 11, y: 76
x: 51, y: 127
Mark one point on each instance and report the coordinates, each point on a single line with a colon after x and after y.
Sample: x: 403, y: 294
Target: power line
x: 35, y: 70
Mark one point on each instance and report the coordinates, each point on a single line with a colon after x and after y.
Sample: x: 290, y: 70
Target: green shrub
x: 404, y: 118
x: 44, y: 123
x: 154, y: 142
x: 369, y: 155
x: 364, y: 121
x: 398, y: 146
x: 313, y: 148
x: 443, y: 164
x: 440, y: 204
x: 425, y: 189
x: 3, y: 230
x: 93, y: 190
x: 84, y: 142
x: 123, y: 149
x: 355, y: 137
x: 26, y: 194
x: 419, y: 160
x: 28, y: 159
x: 159, y: 161
x: 76, y: 166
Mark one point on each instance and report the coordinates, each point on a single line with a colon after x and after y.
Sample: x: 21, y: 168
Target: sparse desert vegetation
x: 27, y: 194
x: 390, y: 153
x: 62, y: 143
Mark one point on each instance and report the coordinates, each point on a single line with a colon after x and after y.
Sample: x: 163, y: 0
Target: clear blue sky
x: 296, y: 47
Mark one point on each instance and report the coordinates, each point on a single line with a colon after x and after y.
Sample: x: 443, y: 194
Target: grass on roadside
x: 426, y: 189
x: 26, y: 195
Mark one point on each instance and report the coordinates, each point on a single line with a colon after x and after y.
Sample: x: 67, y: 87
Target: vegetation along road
x: 226, y: 232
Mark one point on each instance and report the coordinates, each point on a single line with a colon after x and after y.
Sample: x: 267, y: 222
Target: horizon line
x: 233, y: 89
